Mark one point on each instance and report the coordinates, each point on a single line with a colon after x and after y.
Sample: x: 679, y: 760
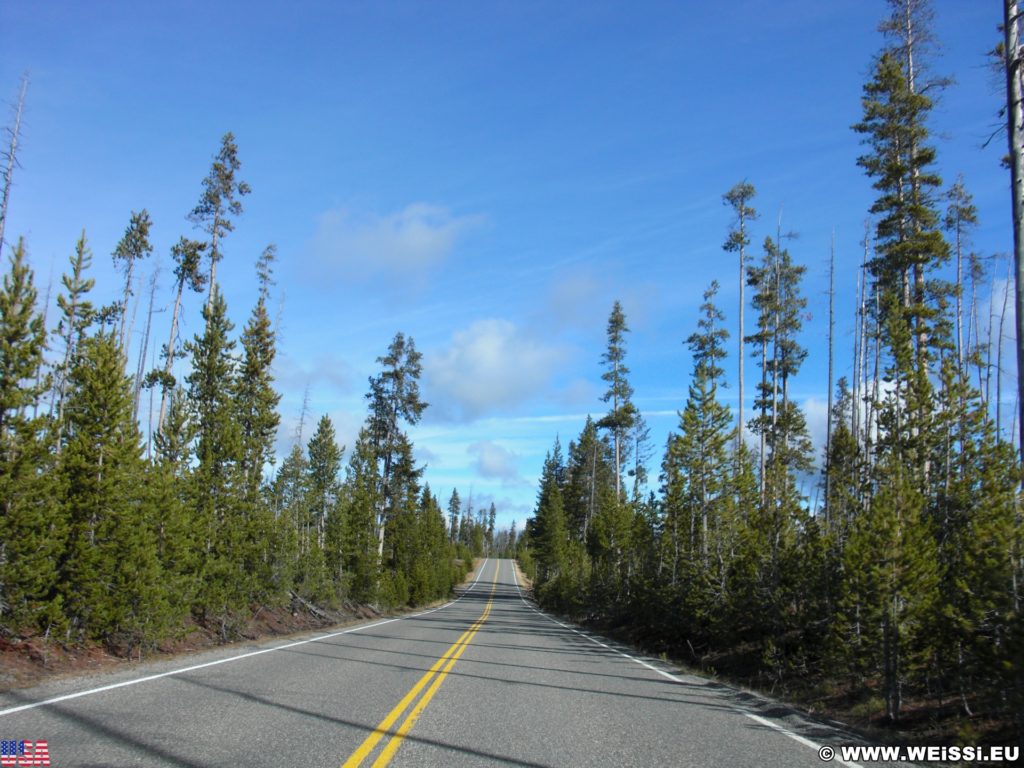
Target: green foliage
x: 620, y: 419
x: 111, y: 581
x: 221, y: 201
x: 133, y: 246
x: 32, y: 525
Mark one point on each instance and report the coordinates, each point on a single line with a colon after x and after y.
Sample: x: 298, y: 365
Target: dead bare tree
x: 1015, y: 141
x: 11, y: 156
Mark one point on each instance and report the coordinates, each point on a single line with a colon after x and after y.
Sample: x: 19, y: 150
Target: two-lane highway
x: 483, y: 680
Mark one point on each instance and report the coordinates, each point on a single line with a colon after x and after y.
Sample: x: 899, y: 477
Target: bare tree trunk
x: 149, y: 432
x: 857, y: 367
x: 875, y: 377
x: 615, y: 434
x: 988, y: 356
x: 140, y: 370
x: 999, y: 353
x: 214, y: 258
x: 959, y: 300
x: 1015, y: 140
x: 169, y: 363
x: 741, y: 341
x: 124, y: 302
x: 12, y: 157
x: 764, y: 404
x: 973, y: 325
x: 831, y: 331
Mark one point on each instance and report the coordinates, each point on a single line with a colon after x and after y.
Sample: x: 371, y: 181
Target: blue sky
x: 485, y: 177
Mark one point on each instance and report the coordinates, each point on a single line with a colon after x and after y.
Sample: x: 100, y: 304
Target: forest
x: 109, y: 537
x: 883, y: 577
x: 891, y: 583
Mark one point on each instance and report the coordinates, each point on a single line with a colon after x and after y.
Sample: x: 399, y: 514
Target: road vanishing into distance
x: 484, y: 680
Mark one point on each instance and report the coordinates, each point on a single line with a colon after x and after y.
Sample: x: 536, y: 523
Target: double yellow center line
x: 433, y: 677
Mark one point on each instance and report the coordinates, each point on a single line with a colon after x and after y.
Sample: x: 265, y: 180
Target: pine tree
x: 133, y: 246
x: 589, y: 480
x: 220, y: 203
x: 322, y: 489
x: 360, y: 542
x: 174, y: 523
x: 961, y: 215
x: 890, y: 586
x: 454, y: 507
x: 394, y: 397
x: 324, y: 466
x: 548, y: 528
x: 781, y: 424
x: 111, y: 578
x: 256, y: 398
x: 909, y: 244
x: 216, y: 479
x: 77, y: 315
x: 738, y: 198
x: 32, y: 525
x: 620, y: 418
x: 701, y: 460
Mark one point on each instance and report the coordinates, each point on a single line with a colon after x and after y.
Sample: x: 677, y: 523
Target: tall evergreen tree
x: 589, y: 480
x: 220, y: 203
x: 77, y: 315
x: 702, y: 458
x: 890, y: 586
x: 780, y: 307
x: 216, y: 478
x: 32, y: 525
x: 620, y: 418
x: 454, y: 508
x: 738, y: 198
x: 359, y: 536
x: 133, y: 246
x: 394, y: 397
x: 548, y: 526
x: 112, y: 583
x: 256, y: 398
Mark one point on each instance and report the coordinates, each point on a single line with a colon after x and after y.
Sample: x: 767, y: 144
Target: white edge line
x: 739, y: 710
x: 214, y: 663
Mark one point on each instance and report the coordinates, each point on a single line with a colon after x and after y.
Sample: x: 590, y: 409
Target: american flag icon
x: 23, y: 752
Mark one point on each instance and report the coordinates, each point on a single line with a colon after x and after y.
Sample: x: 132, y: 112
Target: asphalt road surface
x: 484, y: 680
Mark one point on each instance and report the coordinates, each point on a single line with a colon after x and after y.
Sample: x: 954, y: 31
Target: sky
x: 487, y: 178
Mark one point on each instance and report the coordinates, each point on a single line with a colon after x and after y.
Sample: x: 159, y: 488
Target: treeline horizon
x: 106, y: 537
x: 901, y: 581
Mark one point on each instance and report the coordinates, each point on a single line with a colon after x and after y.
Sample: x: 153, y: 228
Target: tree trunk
x: 170, y: 353
x: 1015, y: 139
x: 141, y: 369
x: 831, y: 331
x: 12, y: 160
x: 999, y: 353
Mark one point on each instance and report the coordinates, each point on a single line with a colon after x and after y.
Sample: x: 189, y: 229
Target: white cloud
x: 409, y: 241
x: 489, y: 367
x: 496, y: 462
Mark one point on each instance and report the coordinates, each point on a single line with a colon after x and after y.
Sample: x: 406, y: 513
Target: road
x: 484, y: 680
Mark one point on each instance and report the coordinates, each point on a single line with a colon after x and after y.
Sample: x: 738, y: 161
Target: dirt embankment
x: 26, y: 661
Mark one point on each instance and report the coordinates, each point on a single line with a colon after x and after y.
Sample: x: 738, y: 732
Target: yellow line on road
x: 447, y: 661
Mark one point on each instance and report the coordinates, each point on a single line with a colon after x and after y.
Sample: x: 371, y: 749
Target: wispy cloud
x: 491, y: 366
x: 406, y: 243
x: 496, y: 462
